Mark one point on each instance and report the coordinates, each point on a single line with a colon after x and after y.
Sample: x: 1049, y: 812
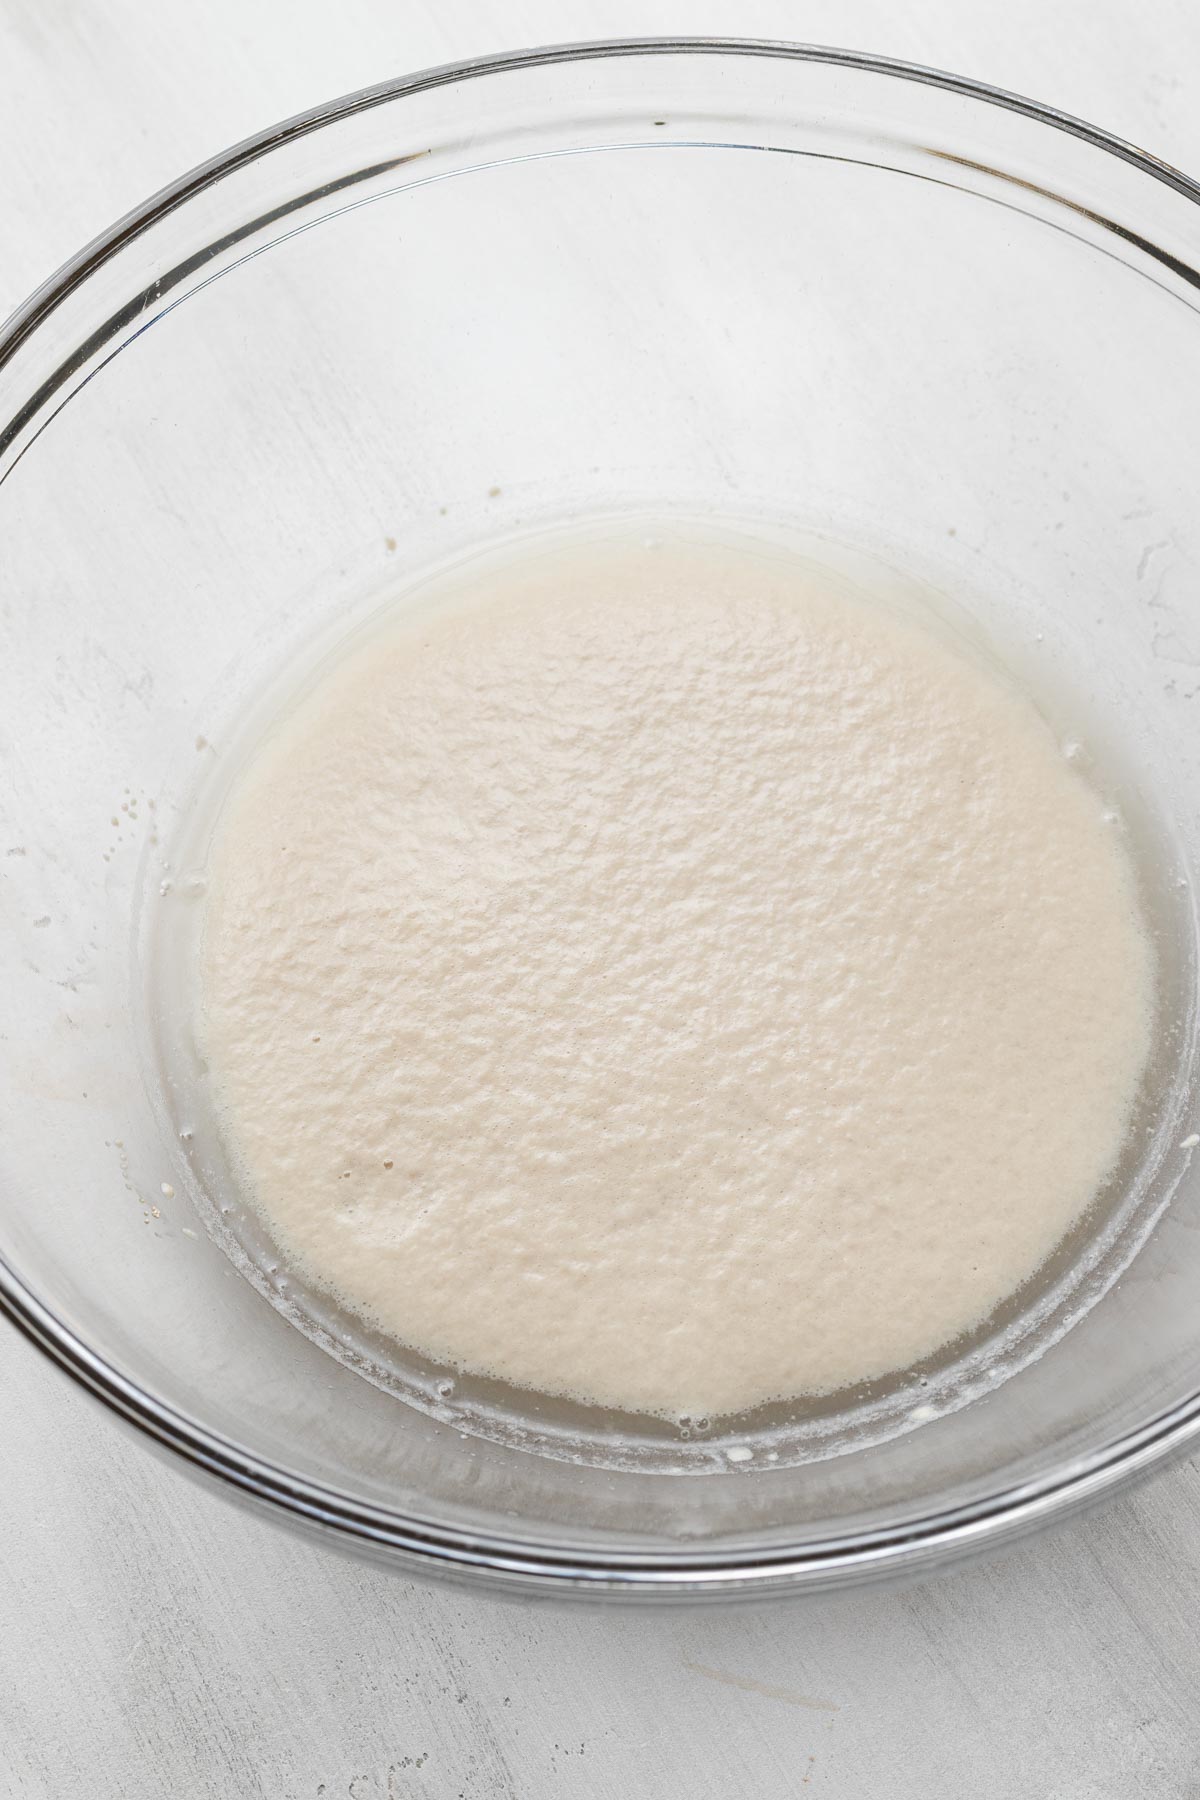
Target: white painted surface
x: 154, y: 1640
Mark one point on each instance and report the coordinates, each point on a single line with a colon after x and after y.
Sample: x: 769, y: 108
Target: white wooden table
x: 154, y: 1641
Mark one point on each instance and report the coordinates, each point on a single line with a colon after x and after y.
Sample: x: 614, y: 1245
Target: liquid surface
x: 654, y: 977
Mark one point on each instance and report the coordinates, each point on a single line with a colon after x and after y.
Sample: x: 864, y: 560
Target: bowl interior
x: 875, y: 312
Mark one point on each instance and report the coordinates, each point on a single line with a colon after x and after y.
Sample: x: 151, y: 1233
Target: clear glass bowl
x: 908, y: 312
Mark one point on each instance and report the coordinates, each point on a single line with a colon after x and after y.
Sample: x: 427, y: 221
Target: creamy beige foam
x: 651, y: 978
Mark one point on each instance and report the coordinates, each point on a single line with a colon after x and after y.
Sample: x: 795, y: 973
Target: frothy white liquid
x: 657, y: 979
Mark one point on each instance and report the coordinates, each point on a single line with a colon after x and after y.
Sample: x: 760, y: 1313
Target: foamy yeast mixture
x: 654, y: 978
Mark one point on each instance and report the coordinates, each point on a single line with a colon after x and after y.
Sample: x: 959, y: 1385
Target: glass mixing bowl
x: 896, y: 309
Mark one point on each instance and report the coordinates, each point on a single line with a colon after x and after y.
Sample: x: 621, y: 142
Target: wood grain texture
x: 157, y: 1641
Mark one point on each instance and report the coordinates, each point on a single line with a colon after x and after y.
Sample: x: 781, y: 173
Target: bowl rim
x: 423, y: 1544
